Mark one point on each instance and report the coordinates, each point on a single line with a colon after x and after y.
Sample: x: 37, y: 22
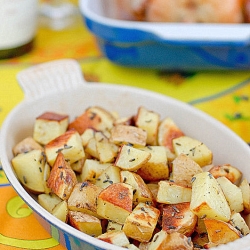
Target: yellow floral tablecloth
x: 224, y: 95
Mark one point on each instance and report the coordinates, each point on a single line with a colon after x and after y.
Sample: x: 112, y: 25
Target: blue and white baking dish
x: 170, y: 46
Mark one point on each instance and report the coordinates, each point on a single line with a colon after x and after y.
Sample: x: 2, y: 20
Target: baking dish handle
x: 39, y: 80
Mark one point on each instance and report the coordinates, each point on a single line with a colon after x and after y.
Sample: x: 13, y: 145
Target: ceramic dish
x: 172, y: 46
x: 59, y: 86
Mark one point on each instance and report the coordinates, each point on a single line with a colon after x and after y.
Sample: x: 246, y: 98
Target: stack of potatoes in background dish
x: 137, y: 182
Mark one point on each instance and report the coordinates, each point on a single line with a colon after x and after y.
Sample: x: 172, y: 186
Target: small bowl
x: 172, y: 46
x: 59, y: 86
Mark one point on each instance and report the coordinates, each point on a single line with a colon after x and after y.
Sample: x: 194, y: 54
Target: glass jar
x: 18, y: 25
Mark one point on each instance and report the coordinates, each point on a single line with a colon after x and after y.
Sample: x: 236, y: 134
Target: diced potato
x: 60, y: 211
x: 178, y: 218
x: 106, y: 150
x: 26, y: 145
x: 125, y: 134
x: 83, y: 198
x: 245, y: 189
x: 92, y: 169
x: 48, y: 126
x: 109, y: 176
x: 48, y: 201
x: 86, y: 223
x: 62, y: 178
x: 168, y: 131
x: 153, y: 187
x: 220, y: 232
x: 148, y: 121
x: 193, y: 148
x: 199, y: 237
x: 130, y: 158
x: 183, y: 170
x: 94, y: 117
x: 91, y: 148
x: 78, y: 165
x: 69, y: 144
x: 115, y: 202
x: 114, y: 226
x: 117, y: 238
x: 173, y: 241
x: 157, y: 167
x: 141, y: 223
x: 207, y: 198
x: 172, y: 193
x: 239, y: 223
x: 232, y: 193
x: 231, y: 173
x: 29, y: 168
x: 88, y: 134
x: 47, y: 170
x: 141, y: 191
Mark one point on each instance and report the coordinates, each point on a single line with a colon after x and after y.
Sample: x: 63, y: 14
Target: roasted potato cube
x: 130, y: 158
x: 172, y: 193
x: 124, y: 134
x: 26, y: 145
x: 245, y: 189
x: 48, y: 201
x: 106, y: 150
x: 78, y: 165
x: 141, y: 223
x: 141, y: 191
x: 239, y: 223
x: 173, y: 241
x: 220, y: 232
x: 193, y: 148
x: 62, y: 178
x: 69, y: 144
x: 178, y: 218
x: 208, y: 199
x: 109, y: 176
x: 48, y: 126
x: 183, y: 170
x: 117, y: 238
x: 83, y: 198
x: 153, y: 187
x: 92, y: 169
x: 60, y: 211
x: 148, y: 121
x: 232, y: 193
x: 86, y: 223
x: 29, y: 168
x: 168, y: 131
x: 115, y: 202
x: 91, y: 148
x: 231, y: 173
x: 88, y: 134
x: 157, y: 167
x: 94, y: 117
x: 114, y: 226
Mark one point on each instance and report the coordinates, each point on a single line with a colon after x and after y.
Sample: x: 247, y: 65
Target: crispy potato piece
x: 168, y: 131
x: 239, y: 223
x: 148, y: 121
x: 48, y: 201
x: 231, y: 173
x: 114, y: 226
x: 183, y: 170
x: 207, y: 198
x: 78, y: 165
x: 48, y: 126
x: 115, y: 202
x: 125, y: 134
x: 178, y: 218
x: 173, y: 241
x: 245, y: 189
x: 232, y: 193
x: 69, y: 144
x: 130, y: 158
x: 220, y: 232
x: 83, y: 198
x: 141, y: 191
x: 117, y: 238
x: 62, y: 178
x: 94, y: 117
x: 193, y: 148
x: 86, y: 223
x: 60, y: 211
x: 172, y: 193
x: 29, y: 168
x: 141, y: 223
x: 157, y: 167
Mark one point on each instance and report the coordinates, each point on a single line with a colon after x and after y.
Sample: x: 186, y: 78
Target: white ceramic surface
x: 65, y: 90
